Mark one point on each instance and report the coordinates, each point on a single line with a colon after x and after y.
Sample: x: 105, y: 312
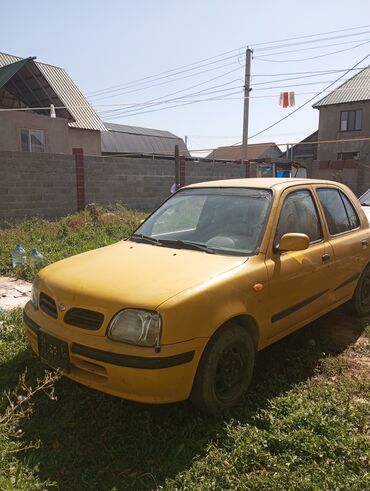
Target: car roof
x: 259, y: 182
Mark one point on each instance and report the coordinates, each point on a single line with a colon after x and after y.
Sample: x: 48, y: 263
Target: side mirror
x: 293, y: 242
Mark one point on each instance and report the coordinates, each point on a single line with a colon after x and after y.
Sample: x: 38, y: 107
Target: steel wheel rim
x: 230, y: 372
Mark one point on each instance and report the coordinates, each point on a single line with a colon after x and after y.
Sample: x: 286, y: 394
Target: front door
x: 299, y: 285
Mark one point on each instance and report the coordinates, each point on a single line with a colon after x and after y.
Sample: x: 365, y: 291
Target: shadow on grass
x: 91, y: 441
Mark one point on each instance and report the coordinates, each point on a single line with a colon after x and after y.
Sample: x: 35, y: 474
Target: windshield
x: 365, y: 199
x: 216, y: 220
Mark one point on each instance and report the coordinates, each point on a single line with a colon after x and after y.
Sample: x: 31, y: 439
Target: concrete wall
x: 88, y: 140
x: 55, y: 129
x: 59, y: 137
x: 40, y: 184
x: 46, y: 185
x: 329, y: 129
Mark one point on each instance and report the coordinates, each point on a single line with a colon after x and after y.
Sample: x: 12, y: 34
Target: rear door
x: 349, y: 240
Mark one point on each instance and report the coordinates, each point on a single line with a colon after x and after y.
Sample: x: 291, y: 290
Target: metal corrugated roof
x: 132, y: 139
x: 84, y: 115
x: 355, y: 89
x: 254, y: 151
x: 138, y: 130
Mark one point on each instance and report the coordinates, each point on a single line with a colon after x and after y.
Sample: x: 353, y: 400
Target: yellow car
x: 219, y: 271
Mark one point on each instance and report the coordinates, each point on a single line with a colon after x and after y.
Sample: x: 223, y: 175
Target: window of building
x: 348, y: 155
x: 339, y: 213
x: 32, y: 140
x: 299, y: 215
x: 351, y: 120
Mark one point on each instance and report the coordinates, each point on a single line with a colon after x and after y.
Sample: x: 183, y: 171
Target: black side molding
x: 30, y: 323
x: 290, y: 310
x: 132, y: 361
x: 348, y: 281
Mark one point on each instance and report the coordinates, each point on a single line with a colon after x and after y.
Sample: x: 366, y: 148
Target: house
x: 304, y: 150
x: 123, y: 139
x: 33, y: 87
x: 345, y: 115
x: 255, y: 151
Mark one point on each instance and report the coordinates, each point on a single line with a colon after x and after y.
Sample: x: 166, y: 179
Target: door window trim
x: 318, y: 214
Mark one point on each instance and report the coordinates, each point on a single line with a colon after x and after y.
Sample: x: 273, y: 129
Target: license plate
x: 54, y: 351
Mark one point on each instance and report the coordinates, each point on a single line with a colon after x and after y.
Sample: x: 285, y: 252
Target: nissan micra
x: 219, y: 271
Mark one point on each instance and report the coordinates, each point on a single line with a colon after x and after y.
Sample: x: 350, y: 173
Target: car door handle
x: 364, y: 243
x: 325, y: 258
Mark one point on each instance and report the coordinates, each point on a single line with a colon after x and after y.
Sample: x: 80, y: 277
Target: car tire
x: 225, y: 370
x: 359, y: 305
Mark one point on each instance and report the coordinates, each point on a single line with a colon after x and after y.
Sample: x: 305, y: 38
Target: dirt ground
x: 13, y: 293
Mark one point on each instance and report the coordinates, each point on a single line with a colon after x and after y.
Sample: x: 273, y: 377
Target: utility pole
x: 248, y: 59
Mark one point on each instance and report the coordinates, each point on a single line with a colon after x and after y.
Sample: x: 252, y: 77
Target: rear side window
x: 299, y: 215
x: 339, y: 213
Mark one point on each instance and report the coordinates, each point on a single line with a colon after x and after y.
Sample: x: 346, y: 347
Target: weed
x: 291, y: 432
x: 70, y: 235
x: 332, y: 365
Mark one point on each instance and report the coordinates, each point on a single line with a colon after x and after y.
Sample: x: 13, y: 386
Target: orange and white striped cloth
x: 287, y: 99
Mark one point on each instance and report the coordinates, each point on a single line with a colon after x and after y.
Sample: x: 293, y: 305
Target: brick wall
x: 51, y: 185
x: 48, y: 185
x: 36, y: 185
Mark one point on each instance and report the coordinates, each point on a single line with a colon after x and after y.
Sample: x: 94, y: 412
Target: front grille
x: 86, y: 319
x: 48, y: 305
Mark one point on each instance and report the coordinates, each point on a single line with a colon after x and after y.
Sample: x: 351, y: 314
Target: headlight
x: 134, y: 326
x: 35, y: 291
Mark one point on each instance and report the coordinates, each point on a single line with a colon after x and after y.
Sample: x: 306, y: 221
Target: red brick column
x: 182, y: 171
x: 80, y: 177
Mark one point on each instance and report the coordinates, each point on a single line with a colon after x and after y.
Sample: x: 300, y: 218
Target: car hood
x: 130, y: 274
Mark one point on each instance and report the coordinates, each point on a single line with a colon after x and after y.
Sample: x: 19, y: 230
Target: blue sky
x: 109, y: 43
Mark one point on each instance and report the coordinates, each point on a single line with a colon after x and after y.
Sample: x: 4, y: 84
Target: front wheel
x: 359, y: 304
x: 225, y: 370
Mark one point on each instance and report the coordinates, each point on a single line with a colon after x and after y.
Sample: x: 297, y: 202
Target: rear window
x: 339, y: 212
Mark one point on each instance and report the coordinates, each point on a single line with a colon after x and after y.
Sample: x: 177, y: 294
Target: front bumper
x: 128, y: 372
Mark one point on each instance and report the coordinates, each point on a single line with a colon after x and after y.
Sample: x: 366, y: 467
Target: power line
x: 318, y: 47
x: 312, y: 57
x: 309, y: 100
x: 318, y: 142
x: 313, y: 41
x: 200, y: 63
x: 226, y: 97
x: 191, y: 87
x: 163, y: 82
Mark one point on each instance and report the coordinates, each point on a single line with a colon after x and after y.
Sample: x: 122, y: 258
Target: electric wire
x: 312, y: 57
x: 198, y: 64
x: 309, y: 100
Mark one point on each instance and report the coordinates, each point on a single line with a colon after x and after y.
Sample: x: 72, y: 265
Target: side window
x: 299, y: 215
x: 354, y: 221
x: 339, y: 212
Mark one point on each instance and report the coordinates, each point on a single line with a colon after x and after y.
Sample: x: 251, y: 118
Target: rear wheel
x: 359, y: 304
x: 225, y: 370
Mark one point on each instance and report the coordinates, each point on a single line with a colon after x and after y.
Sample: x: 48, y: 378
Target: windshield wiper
x: 187, y: 244
x: 146, y: 238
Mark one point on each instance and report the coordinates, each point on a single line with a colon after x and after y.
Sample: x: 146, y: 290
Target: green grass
x: 304, y: 424
x: 66, y: 237
x: 296, y: 429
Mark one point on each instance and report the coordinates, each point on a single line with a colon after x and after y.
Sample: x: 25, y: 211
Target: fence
x: 53, y: 185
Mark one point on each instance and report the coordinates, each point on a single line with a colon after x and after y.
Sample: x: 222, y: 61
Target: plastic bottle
x: 36, y: 259
x: 19, y: 256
